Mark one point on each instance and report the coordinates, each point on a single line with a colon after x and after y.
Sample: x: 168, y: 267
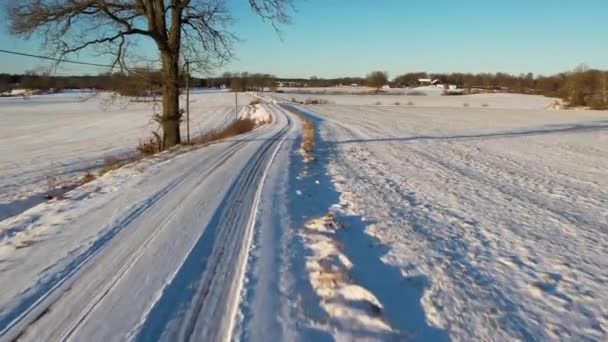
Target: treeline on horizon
x: 582, y: 86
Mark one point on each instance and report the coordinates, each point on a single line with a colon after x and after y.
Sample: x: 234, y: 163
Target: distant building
x: 425, y: 81
x: 288, y: 84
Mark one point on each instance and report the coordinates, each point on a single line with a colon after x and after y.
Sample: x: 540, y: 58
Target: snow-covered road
x: 497, y: 219
x: 154, y: 251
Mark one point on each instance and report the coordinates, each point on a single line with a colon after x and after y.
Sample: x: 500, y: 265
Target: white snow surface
x: 147, y: 252
x: 429, y: 97
x: 427, y: 90
x: 58, y: 137
x: 496, y: 219
x: 413, y: 223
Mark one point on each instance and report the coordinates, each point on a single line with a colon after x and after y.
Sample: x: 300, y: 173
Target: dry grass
x: 308, y: 138
x: 240, y: 126
x: 145, y: 149
x: 87, y: 178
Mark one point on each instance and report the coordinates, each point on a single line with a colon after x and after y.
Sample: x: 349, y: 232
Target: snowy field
x: 430, y: 222
x: 429, y: 97
x: 358, y: 90
x: 59, y: 137
x: 496, y: 219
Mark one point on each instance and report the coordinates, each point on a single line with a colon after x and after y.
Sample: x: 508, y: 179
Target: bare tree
x: 193, y: 29
x: 377, y: 79
x: 4, y: 86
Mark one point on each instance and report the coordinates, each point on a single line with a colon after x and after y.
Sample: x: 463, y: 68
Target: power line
x: 54, y: 59
x: 69, y: 61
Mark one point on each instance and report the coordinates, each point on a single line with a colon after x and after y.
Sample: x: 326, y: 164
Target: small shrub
x: 378, y: 103
x: 51, y: 185
x: 397, y: 104
x: 485, y: 105
x: 410, y: 103
x: 466, y: 104
x: 255, y: 102
x: 87, y: 178
x: 150, y: 146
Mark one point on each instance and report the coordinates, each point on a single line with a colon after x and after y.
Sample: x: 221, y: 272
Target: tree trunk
x: 170, y: 91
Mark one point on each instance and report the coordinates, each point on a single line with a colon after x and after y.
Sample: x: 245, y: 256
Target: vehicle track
x: 35, y: 306
x: 214, y: 266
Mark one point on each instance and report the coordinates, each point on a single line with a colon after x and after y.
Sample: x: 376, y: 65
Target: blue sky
x: 332, y: 38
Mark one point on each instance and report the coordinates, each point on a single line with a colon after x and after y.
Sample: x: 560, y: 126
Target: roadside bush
x: 240, y: 126
x: 410, y: 103
x: 150, y: 146
x: 51, y: 185
x: 485, y: 105
x: 255, y: 102
x: 87, y: 178
x: 416, y: 93
x: 378, y: 103
x: 466, y: 104
x: 397, y: 104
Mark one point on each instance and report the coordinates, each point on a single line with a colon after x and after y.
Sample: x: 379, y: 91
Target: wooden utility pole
x: 605, y: 88
x: 188, y: 101
x: 236, y: 104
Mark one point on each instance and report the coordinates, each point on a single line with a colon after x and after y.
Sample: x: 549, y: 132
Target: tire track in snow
x: 31, y: 308
x: 206, y: 284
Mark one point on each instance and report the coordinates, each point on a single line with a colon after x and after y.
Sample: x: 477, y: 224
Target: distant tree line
x: 579, y: 87
x: 245, y: 81
x: 132, y: 84
x: 582, y: 86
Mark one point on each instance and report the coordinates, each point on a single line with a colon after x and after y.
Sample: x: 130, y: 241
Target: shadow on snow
x: 399, y: 295
x: 596, y: 126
